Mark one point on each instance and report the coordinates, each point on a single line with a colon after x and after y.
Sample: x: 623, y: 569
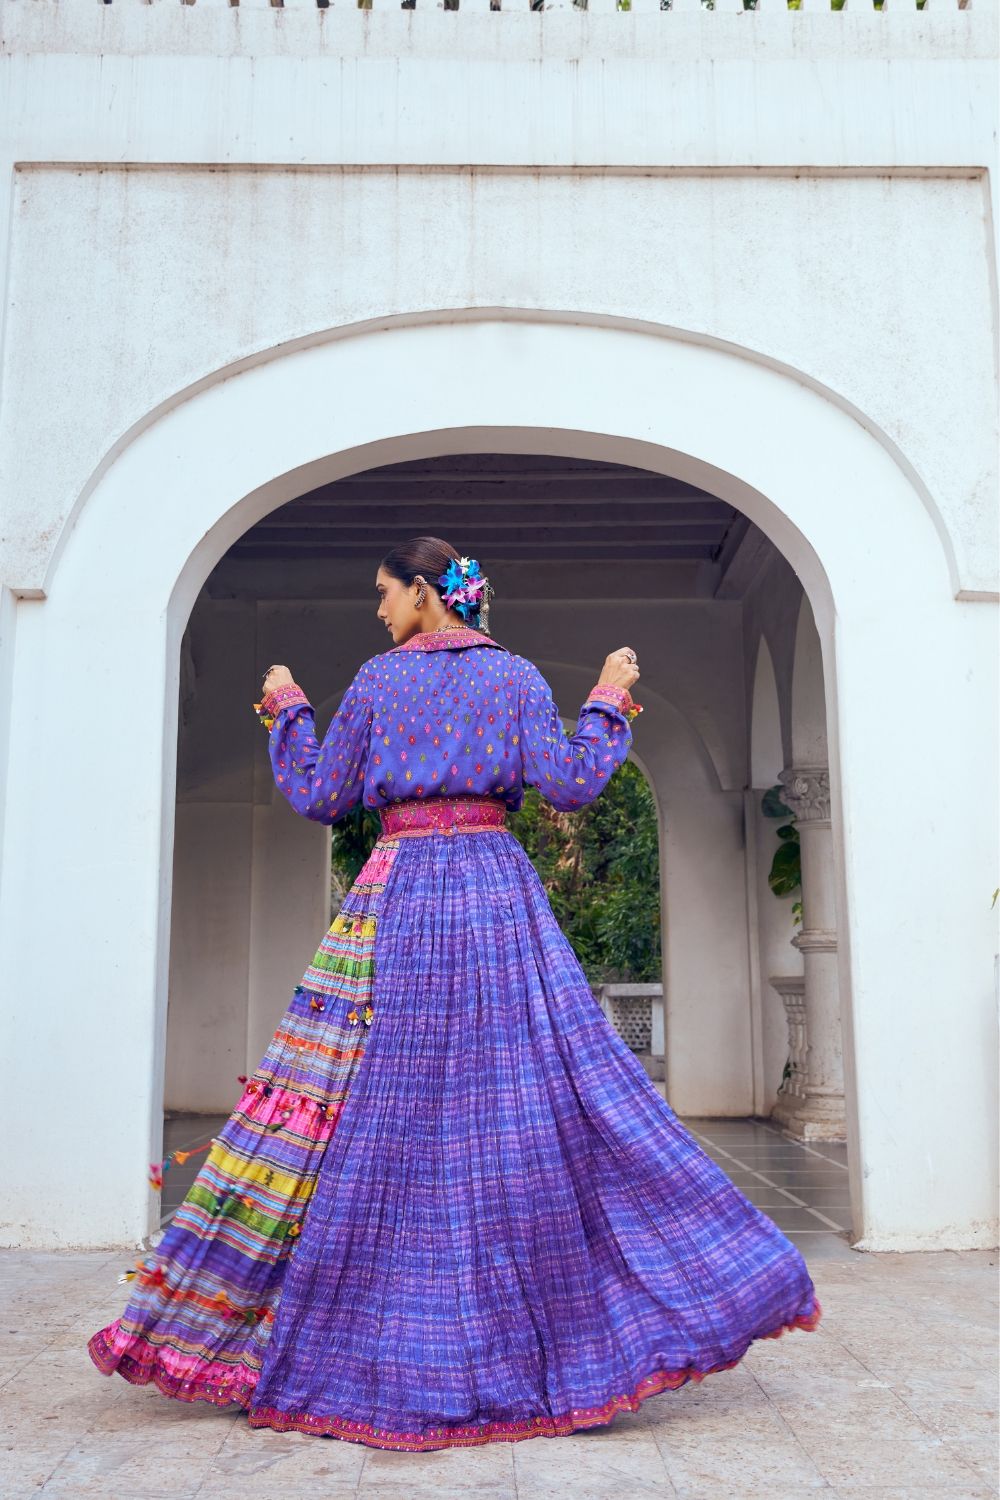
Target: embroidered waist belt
x: 443, y: 815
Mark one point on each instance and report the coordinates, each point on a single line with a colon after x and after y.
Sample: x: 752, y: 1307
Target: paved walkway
x: 892, y: 1398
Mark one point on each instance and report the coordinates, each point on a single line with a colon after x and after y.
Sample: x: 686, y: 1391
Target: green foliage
x: 600, y: 868
x: 772, y: 806
x: 794, y: 5
x: 785, y: 876
x: 353, y: 840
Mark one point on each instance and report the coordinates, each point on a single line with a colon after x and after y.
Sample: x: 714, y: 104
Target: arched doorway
x: 233, y: 452
x: 583, y: 554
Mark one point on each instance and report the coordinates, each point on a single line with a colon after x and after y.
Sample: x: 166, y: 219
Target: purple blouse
x: 449, y: 713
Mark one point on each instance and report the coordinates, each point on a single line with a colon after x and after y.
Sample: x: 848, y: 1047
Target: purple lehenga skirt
x: 450, y: 1207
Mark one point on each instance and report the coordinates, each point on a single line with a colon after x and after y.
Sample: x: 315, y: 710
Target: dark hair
x: 427, y: 555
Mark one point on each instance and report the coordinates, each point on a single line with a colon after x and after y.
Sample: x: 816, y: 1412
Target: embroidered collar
x: 437, y: 640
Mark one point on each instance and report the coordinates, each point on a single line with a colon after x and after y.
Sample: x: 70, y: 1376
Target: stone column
x: 819, y: 1115
x: 791, y: 988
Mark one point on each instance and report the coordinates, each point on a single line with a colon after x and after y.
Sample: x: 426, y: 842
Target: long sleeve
x: 322, y: 782
x: 571, y: 770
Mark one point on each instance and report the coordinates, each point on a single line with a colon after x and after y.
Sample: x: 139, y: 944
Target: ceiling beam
x: 509, y: 512
x: 496, y: 472
x: 494, y: 537
x: 611, y: 551
x: 552, y: 491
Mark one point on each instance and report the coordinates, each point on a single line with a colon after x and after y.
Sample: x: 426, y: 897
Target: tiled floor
x: 803, y: 1188
x: 892, y: 1398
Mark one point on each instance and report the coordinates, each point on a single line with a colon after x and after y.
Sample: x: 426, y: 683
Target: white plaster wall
x: 142, y: 282
x: 210, y: 956
x: 708, y: 1056
x: 904, y: 665
x: 640, y: 166
x: 289, y: 914
x: 251, y: 880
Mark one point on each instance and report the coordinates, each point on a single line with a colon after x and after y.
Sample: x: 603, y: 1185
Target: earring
x: 421, y: 592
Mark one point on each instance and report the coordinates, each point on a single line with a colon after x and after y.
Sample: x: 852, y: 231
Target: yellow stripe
x: 236, y: 1167
x: 348, y: 924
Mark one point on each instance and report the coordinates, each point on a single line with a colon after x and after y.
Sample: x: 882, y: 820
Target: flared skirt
x: 450, y: 1206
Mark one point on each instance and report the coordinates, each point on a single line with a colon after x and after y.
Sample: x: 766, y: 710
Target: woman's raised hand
x: 620, y: 668
x: 276, y: 677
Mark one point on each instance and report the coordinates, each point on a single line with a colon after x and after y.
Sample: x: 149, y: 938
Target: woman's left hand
x: 276, y: 677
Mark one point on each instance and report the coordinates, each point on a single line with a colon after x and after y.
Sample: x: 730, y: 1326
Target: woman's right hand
x: 619, y: 669
x: 276, y: 677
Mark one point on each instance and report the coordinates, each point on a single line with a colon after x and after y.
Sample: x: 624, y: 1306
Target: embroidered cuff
x: 618, y: 697
x: 286, y: 695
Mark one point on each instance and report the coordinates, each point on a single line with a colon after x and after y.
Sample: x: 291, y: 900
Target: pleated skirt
x: 450, y: 1207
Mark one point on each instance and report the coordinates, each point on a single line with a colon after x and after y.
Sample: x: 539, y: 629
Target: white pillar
x: 791, y: 988
x: 820, y: 1114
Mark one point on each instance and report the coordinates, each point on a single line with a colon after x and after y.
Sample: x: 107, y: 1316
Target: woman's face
x: 396, y: 608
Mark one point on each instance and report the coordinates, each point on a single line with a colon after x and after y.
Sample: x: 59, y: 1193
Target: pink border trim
x: 239, y: 1392
x: 218, y: 1384
x: 444, y: 814
x: 607, y: 693
x: 286, y: 695
x: 508, y: 1432
x: 436, y: 640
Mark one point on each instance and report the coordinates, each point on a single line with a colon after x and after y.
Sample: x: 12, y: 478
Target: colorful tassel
x: 157, y: 1168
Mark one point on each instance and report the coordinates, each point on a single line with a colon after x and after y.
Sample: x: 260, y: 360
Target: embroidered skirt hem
x: 460, y: 1436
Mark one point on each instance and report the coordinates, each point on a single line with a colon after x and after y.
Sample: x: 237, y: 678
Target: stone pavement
x: 892, y: 1398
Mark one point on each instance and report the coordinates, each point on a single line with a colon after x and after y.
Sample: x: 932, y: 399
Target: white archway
x: 90, y: 831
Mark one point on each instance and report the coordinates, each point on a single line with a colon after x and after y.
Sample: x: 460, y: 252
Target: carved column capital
x: 815, y: 940
x: 806, y: 790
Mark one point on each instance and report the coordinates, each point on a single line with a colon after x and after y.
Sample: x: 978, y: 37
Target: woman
x: 450, y: 1207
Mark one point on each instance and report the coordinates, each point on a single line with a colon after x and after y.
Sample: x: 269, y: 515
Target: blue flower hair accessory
x: 466, y: 589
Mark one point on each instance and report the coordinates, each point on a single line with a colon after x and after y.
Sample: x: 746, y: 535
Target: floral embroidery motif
x: 438, y: 719
x: 441, y: 640
x: 443, y: 815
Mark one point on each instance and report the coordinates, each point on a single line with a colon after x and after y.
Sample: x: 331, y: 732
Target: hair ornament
x: 467, y: 590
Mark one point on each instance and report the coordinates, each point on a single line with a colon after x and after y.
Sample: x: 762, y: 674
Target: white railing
x: 602, y: 7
